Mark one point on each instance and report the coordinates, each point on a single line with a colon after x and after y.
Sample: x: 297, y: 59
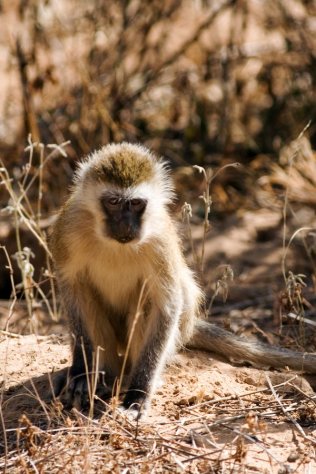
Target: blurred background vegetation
x: 201, y: 82
x: 196, y: 80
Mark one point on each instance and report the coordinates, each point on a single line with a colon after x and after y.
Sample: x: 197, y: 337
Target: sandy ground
x: 211, y: 407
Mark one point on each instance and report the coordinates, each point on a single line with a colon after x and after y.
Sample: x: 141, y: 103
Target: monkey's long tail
x: 210, y: 337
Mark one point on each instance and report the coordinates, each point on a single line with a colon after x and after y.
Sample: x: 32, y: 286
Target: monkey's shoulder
x: 71, y: 232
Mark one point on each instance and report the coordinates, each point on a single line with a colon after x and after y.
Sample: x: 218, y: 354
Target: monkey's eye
x: 138, y: 204
x: 113, y: 201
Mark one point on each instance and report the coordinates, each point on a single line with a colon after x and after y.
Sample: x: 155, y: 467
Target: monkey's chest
x: 119, y: 285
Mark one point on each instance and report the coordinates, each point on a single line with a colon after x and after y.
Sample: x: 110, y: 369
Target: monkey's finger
x: 80, y: 397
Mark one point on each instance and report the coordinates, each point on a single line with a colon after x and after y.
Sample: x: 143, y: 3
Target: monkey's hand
x: 76, y: 391
x: 133, y: 413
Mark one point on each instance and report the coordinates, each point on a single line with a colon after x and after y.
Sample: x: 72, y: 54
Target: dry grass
x: 24, y: 209
x: 113, y: 444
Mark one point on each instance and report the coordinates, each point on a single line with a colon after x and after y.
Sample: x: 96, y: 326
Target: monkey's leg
x: 212, y: 338
x: 160, y: 339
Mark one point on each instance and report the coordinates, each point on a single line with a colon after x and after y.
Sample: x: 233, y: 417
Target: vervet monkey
x: 124, y: 281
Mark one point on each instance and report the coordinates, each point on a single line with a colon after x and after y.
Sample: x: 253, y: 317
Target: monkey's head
x: 127, y: 189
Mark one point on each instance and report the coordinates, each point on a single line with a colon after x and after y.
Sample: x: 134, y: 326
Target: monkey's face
x: 127, y: 190
x: 123, y: 216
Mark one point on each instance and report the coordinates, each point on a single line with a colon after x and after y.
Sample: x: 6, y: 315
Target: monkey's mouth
x: 124, y: 239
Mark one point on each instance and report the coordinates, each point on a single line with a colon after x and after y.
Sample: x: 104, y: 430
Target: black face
x: 123, y: 217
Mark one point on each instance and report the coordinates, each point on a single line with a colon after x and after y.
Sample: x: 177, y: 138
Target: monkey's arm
x: 89, y: 331
x: 212, y: 338
x: 73, y: 386
x: 160, y: 343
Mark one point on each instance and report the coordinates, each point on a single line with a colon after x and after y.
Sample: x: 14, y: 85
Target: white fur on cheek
x: 152, y: 222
